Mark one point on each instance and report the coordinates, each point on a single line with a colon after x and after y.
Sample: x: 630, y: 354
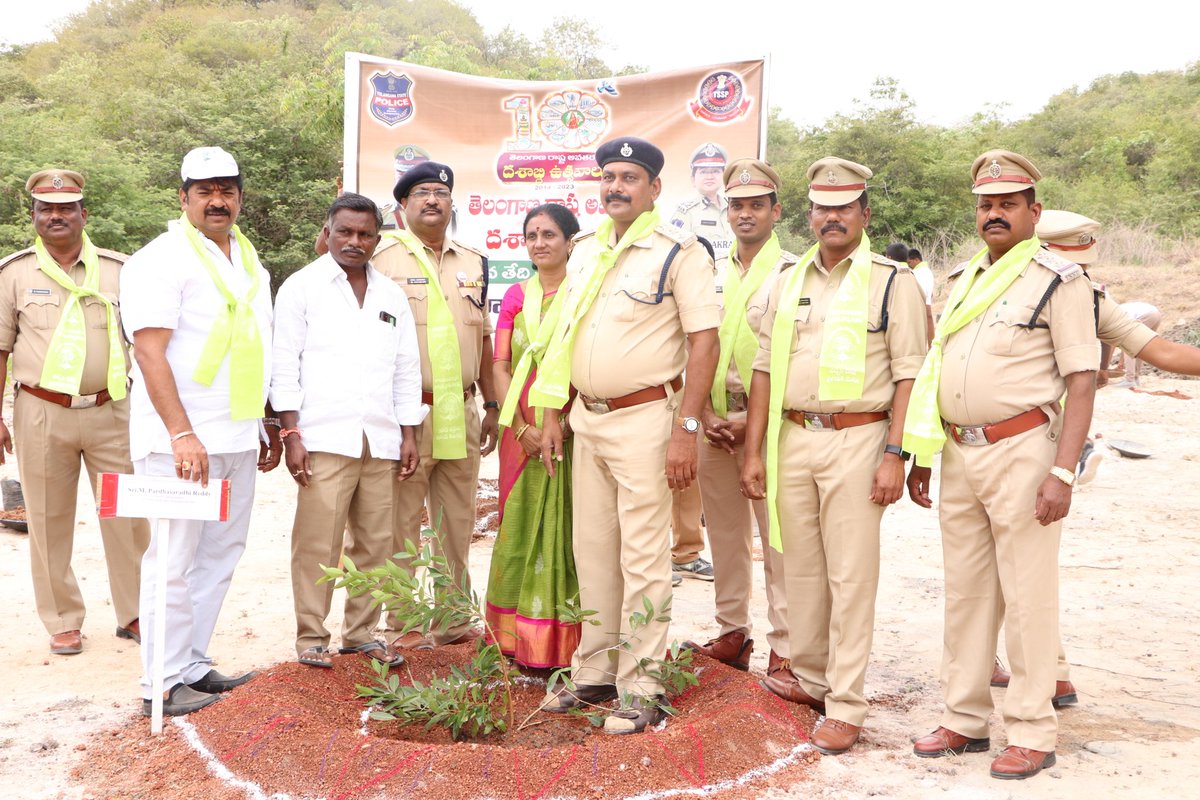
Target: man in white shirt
x: 924, y: 276
x: 346, y: 382
x: 196, y: 303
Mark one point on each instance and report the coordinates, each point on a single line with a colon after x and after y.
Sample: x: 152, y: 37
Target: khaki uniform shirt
x: 755, y: 307
x: 995, y: 368
x: 894, y: 354
x: 631, y: 339
x: 1116, y: 328
x: 461, y: 272
x: 707, y: 219
x: 31, y: 305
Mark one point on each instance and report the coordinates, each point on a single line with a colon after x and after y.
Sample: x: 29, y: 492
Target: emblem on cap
x: 1085, y: 238
x: 626, y: 150
x: 994, y: 169
x: 710, y: 150
x: 832, y: 178
x: 443, y: 176
x: 57, y: 182
x: 744, y: 177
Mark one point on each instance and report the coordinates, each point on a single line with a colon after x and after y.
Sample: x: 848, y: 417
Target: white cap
x: 208, y: 162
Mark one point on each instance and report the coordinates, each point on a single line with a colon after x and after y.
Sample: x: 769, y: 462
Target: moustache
x: 352, y: 251
x: 624, y: 198
x: 998, y: 222
x: 833, y: 226
x: 217, y: 212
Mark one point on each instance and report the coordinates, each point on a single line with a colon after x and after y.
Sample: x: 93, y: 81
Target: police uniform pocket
x: 96, y: 312
x: 472, y: 310
x: 418, y: 301
x: 40, y: 310
x: 636, y: 296
x: 803, y: 329
x: 1008, y: 331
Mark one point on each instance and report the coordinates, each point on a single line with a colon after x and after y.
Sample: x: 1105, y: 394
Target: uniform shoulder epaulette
x: 788, y: 258
x: 1067, y: 270
x: 113, y: 254
x: 386, y: 243
x: 469, y: 249
x: 677, y: 235
x: 958, y: 270
x: 688, y: 205
x: 11, y: 257
x: 884, y: 261
x: 579, y: 237
x: 1099, y: 288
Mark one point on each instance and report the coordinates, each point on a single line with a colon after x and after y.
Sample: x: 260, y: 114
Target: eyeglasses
x: 421, y: 194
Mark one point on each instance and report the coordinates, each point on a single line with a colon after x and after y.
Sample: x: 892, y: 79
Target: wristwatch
x: 1064, y: 475
x: 690, y: 424
x: 896, y: 450
x: 490, y: 404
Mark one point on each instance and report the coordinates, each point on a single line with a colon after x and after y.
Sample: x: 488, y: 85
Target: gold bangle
x: 521, y: 432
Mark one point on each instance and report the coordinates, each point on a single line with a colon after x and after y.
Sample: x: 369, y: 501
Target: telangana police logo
x: 1085, y: 239
x: 443, y: 177
x: 710, y: 149
x: 721, y: 97
x: 626, y: 150
x: 832, y: 178
x: 744, y: 177
x: 390, y: 101
x: 57, y: 182
x: 994, y: 170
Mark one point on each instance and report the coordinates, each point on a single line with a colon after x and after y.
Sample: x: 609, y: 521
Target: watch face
x: 691, y: 424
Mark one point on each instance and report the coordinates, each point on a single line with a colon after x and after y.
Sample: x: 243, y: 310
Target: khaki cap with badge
x: 709, y: 154
x: 836, y: 182
x: 1003, y: 172
x: 55, y: 186
x: 749, y: 177
x: 1071, y: 235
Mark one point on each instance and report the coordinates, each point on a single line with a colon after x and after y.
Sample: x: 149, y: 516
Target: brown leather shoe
x: 564, y: 699
x: 67, y: 643
x: 1000, y: 676
x: 945, y: 742
x: 786, y: 686
x: 1064, y: 694
x: 413, y: 640
x: 1018, y: 763
x: 777, y: 664
x: 834, y: 737
x: 732, y: 648
x: 469, y: 635
x: 131, y: 631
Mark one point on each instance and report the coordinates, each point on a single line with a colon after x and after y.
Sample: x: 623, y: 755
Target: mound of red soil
x: 300, y: 731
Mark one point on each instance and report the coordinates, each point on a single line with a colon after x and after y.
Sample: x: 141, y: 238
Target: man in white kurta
x: 188, y: 418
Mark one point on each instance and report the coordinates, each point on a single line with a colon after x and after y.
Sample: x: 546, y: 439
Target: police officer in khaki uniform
x: 625, y: 325
x: 706, y: 214
x: 445, y: 486
x: 61, y: 288
x: 839, y: 460
x: 1019, y: 333
x: 752, y: 188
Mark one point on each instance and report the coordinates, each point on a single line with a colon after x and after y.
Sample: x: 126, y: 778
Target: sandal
x: 386, y: 655
x: 317, y: 656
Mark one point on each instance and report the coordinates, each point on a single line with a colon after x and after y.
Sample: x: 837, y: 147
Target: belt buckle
x: 83, y: 401
x: 594, y: 405
x: 735, y: 401
x: 813, y: 422
x: 972, y: 435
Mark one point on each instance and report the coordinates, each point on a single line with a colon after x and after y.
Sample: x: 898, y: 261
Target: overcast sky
x: 954, y: 58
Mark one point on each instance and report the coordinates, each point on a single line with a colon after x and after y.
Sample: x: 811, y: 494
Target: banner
x: 514, y: 145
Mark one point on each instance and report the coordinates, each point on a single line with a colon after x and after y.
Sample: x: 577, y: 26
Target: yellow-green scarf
x: 445, y: 360
x: 923, y: 431
x: 63, y: 368
x: 538, y: 331
x: 842, y: 366
x: 234, y: 333
x: 738, y: 342
x: 553, y: 384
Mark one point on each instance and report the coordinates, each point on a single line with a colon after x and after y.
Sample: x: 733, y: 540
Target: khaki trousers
x: 830, y: 531
x: 687, y: 535
x: 449, y: 487
x: 727, y: 517
x: 49, y: 442
x: 621, y: 511
x: 347, y: 499
x: 995, y: 550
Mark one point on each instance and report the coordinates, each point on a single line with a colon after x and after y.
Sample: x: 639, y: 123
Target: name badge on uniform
x: 708, y: 222
x: 388, y: 318
x: 417, y: 281
x: 40, y: 291
x: 803, y: 309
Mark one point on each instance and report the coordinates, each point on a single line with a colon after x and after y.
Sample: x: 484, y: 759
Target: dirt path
x: 1130, y: 599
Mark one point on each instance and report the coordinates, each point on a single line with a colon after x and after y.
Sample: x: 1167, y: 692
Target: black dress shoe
x: 182, y: 699
x: 215, y: 683
x: 563, y: 699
